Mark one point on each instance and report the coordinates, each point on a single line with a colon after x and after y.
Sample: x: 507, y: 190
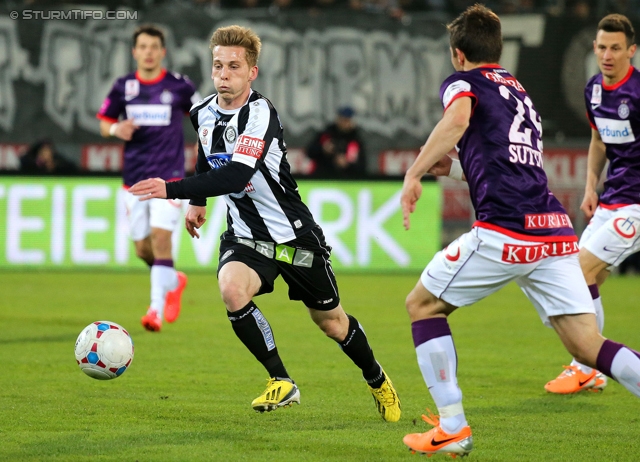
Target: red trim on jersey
x: 469, y: 94
x: 613, y: 206
x: 491, y: 66
x: 589, y: 119
x: 106, y: 119
x: 163, y: 72
x: 619, y: 84
x: 524, y: 237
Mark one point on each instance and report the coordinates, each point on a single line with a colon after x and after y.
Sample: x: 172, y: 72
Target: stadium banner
x: 51, y: 223
x: 56, y: 73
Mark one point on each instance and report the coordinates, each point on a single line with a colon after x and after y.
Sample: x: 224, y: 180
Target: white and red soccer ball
x: 104, y: 350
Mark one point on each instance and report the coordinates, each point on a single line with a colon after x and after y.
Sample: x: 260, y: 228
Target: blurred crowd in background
x: 401, y: 10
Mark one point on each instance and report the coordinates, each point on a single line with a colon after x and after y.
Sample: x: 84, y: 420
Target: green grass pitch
x: 187, y: 394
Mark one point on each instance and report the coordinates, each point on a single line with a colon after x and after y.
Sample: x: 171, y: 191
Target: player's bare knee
x: 333, y: 328
x: 145, y: 254
x: 161, y: 242
x: 234, y: 296
x: 591, y: 266
x: 421, y: 307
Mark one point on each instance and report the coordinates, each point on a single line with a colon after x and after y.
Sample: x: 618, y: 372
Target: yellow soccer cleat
x: 437, y: 441
x: 573, y: 380
x: 279, y: 393
x: 386, y: 399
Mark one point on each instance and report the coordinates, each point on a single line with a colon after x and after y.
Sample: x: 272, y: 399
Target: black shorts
x: 303, y: 263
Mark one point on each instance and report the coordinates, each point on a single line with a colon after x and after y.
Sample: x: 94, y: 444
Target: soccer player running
x: 522, y: 232
x: 270, y: 232
x: 152, y: 103
x: 613, y: 108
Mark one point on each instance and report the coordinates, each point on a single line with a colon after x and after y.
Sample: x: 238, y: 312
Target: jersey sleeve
x: 588, y: 96
x: 113, y: 105
x: 261, y: 127
x: 454, y: 88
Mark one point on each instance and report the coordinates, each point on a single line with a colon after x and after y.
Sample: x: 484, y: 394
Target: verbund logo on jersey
x: 249, y: 146
x: 150, y: 115
x: 614, y: 131
x: 531, y: 253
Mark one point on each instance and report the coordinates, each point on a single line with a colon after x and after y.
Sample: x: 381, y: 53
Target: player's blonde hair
x: 238, y: 36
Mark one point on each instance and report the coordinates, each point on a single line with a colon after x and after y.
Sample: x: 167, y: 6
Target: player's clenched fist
x: 150, y: 189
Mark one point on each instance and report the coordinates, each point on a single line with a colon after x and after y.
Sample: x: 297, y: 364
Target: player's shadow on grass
x: 548, y: 404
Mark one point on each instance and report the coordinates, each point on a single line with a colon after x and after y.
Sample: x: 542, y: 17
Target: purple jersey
x: 157, y: 106
x: 615, y: 112
x: 501, y: 156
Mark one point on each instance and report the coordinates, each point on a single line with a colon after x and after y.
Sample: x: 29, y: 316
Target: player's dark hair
x: 237, y: 36
x: 477, y: 33
x: 149, y: 29
x: 618, y: 23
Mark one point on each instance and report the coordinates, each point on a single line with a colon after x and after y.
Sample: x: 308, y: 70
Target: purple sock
x: 168, y: 262
x: 427, y: 329
x: 607, y: 353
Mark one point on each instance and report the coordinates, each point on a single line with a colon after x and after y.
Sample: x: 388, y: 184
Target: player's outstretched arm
x: 153, y: 188
x: 596, y: 160
x: 194, y: 219
x: 442, y: 140
x: 230, y: 178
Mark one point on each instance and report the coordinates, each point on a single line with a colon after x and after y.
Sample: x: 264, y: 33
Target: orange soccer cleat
x: 437, y: 441
x: 172, y: 301
x: 151, y: 321
x: 573, y: 380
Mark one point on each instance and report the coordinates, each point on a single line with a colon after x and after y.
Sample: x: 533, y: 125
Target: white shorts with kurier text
x: 483, y: 261
x: 613, y: 234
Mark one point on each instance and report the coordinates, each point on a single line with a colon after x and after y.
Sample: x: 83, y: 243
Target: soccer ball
x: 104, y: 350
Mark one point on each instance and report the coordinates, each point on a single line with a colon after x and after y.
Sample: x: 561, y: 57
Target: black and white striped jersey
x: 269, y: 208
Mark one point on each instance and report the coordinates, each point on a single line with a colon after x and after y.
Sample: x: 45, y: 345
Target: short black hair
x: 618, y: 23
x: 149, y: 29
x: 478, y: 34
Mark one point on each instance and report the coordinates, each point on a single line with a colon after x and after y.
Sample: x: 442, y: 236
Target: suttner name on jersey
x: 501, y: 155
x: 270, y: 207
x: 615, y: 112
x: 157, y: 106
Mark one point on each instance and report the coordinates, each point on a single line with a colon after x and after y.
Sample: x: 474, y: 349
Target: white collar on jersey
x: 216, y: 107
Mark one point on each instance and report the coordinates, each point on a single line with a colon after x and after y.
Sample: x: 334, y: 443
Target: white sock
x: 163, y: 279
x: 438, y: 363
x: 597, y: 303
x: 625, y: 368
